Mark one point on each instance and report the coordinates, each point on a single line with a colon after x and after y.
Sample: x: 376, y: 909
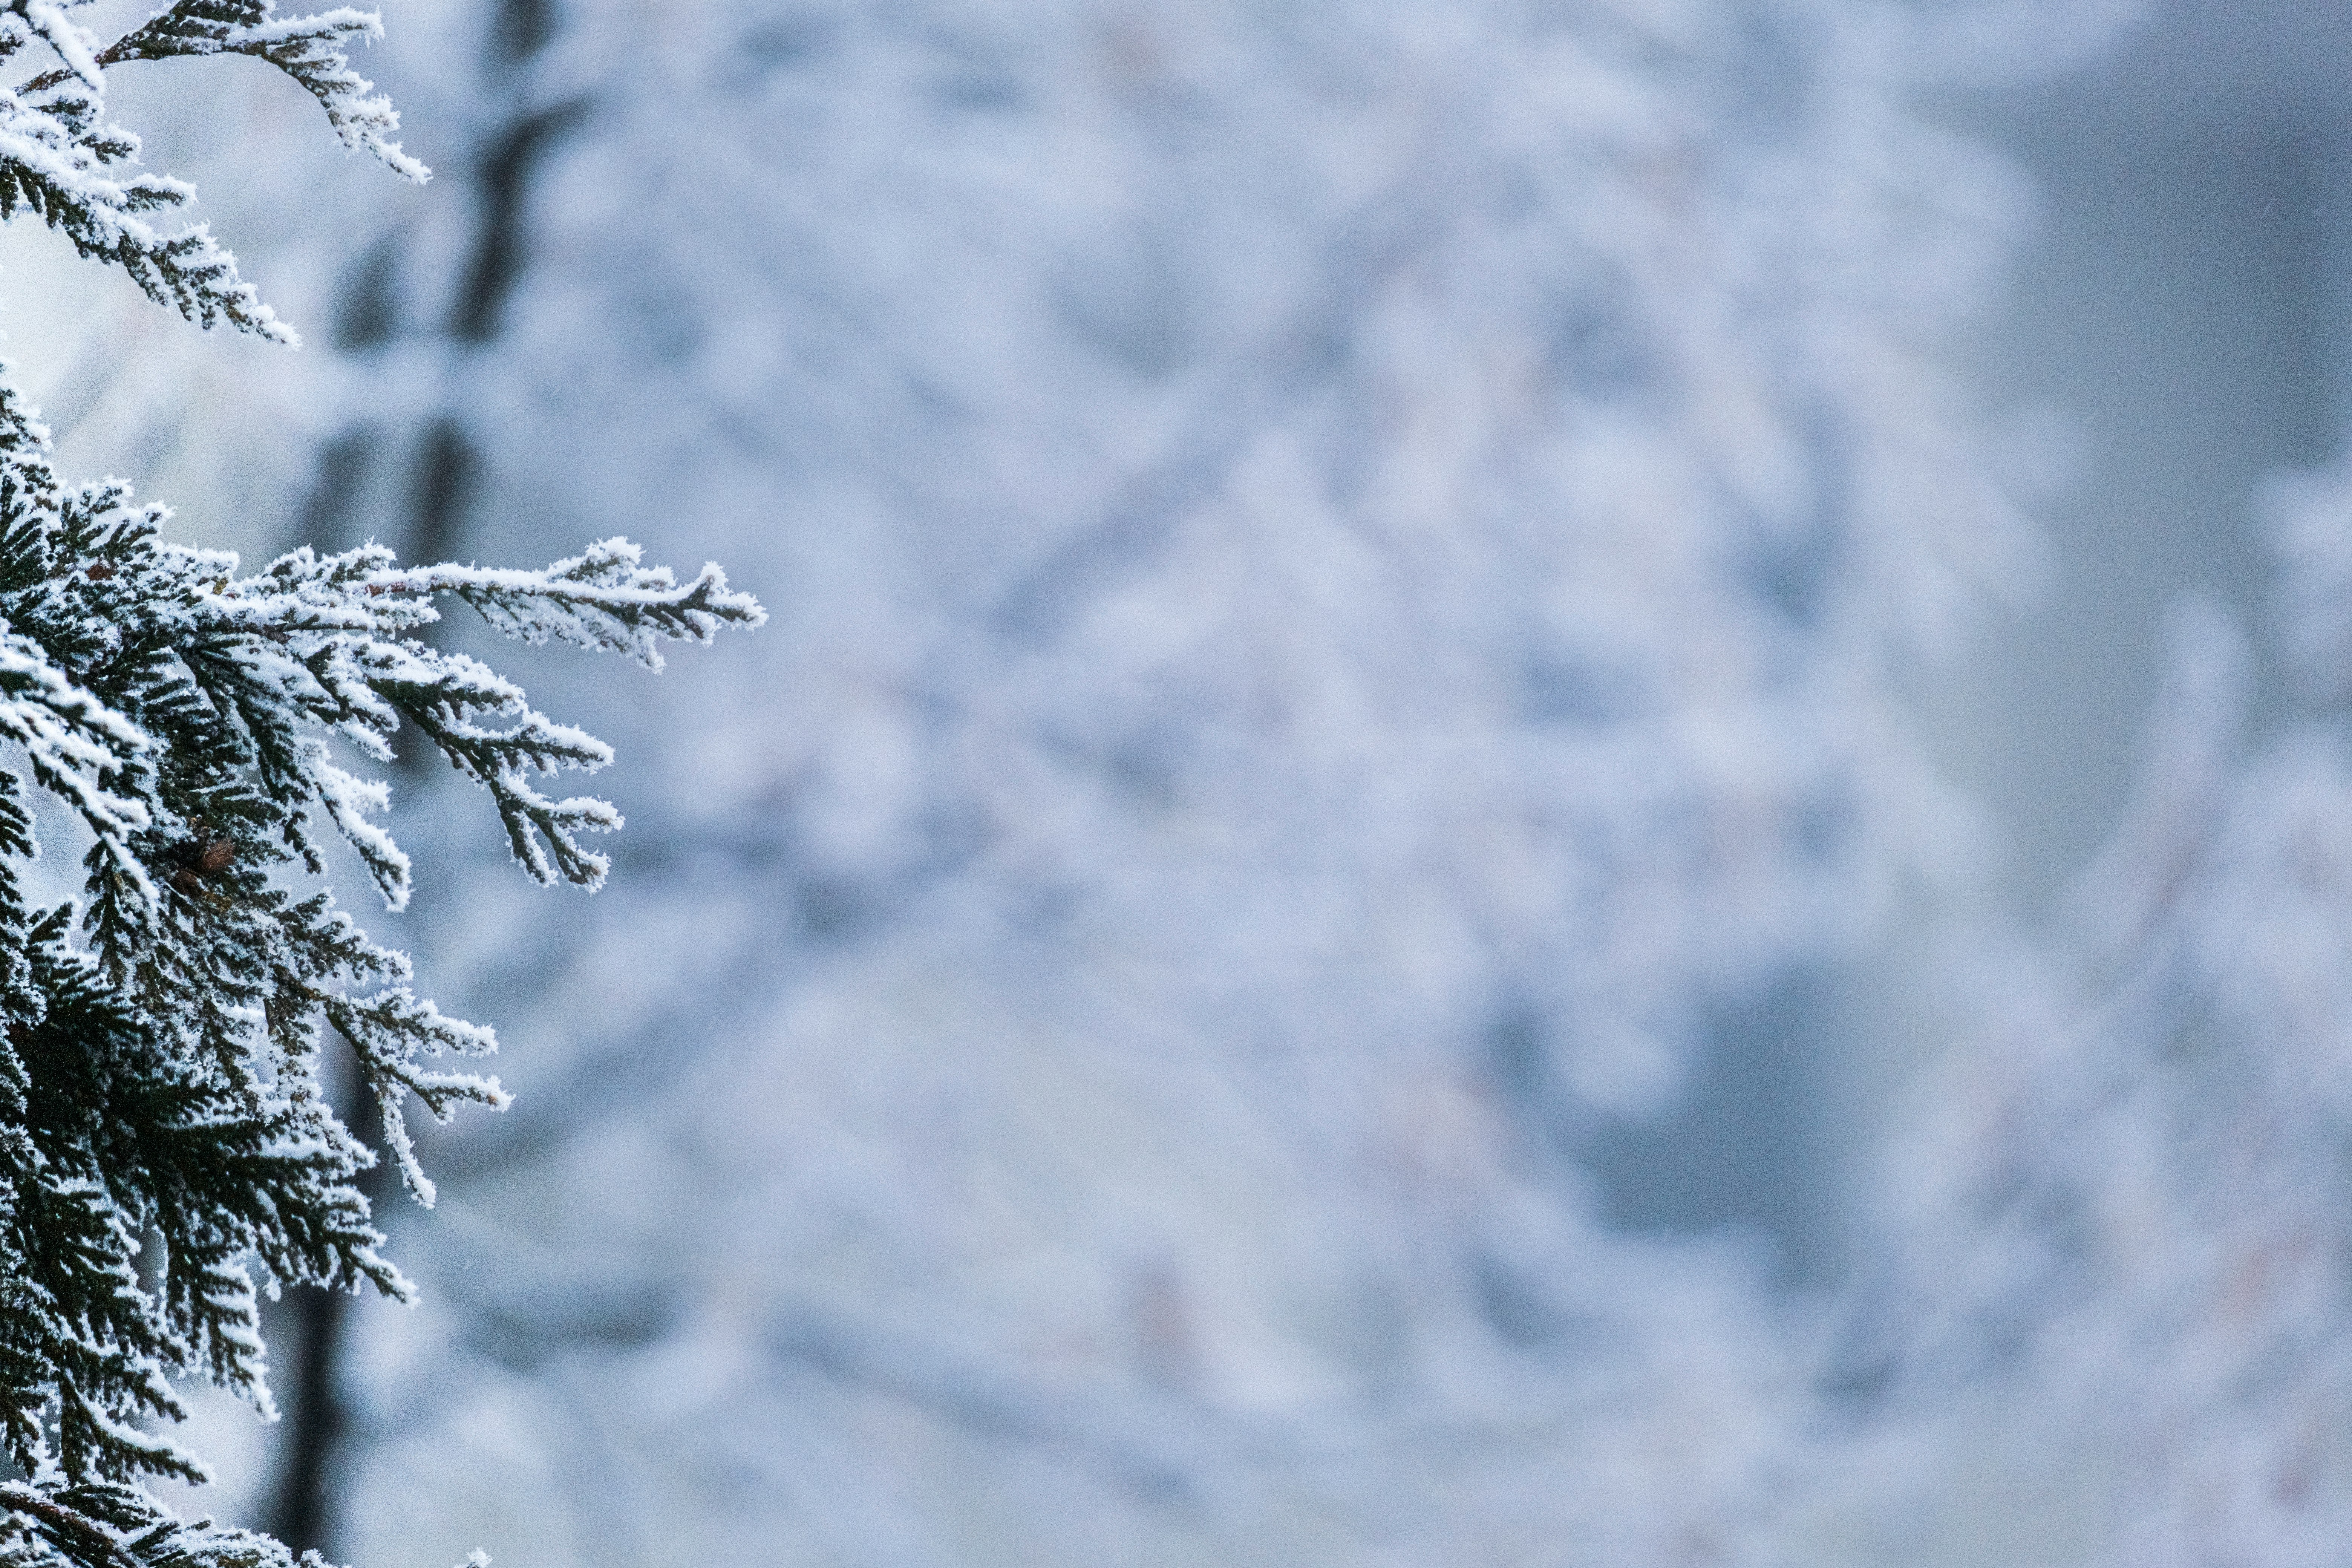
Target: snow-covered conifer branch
x: 46, y: 20
x: 56, y: 149
x: 160, y: 1076
x: 101, y: 1524
x: 603, y: 599
x: 63, y: 162
x: 310, y: 50
x: 161, y: 1039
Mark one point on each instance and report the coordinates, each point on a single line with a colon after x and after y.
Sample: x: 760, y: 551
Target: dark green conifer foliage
x: 160, y: 1098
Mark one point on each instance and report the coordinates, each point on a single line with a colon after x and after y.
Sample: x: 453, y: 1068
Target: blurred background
x: 1537, y: 781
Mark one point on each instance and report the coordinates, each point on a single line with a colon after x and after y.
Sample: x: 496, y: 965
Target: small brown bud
x: 99, y: 571
x: 214, y: 857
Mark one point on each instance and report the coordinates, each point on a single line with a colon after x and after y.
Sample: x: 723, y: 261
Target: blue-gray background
x: 1404, y: 879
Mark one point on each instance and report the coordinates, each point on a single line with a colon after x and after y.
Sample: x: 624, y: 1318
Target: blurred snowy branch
x: 1349, y: 584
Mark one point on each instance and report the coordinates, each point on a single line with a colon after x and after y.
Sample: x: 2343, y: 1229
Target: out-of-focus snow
x: 1345, y: 578
x: 1338, y: 576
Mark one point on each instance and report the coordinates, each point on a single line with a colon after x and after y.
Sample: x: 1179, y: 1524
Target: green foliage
x: 165, y: 1143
